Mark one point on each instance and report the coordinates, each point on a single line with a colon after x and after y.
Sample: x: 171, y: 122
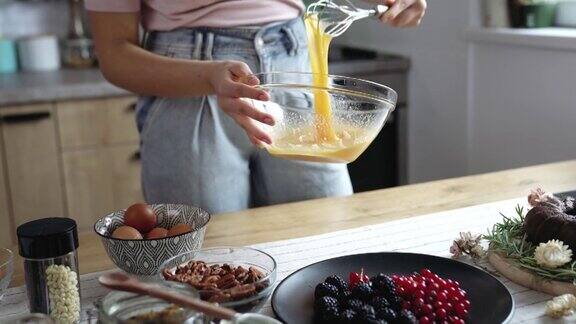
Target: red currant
x: 466, y: 303
x: 426, y: 272
x: 401, y: 291
x: 406, y: 305
x: 427, y: 309
x: 460, y: 310
x: 442, y: 283
x: 422, y: 285
x: 438, y: 304
x: 425, y: 320
x: 433, y: 287
x: 419, y: 294
x: 411, y: 287
x: 454, y: 319
x: 418, y: 302
x: 442, y: 296
x: 441, y: 313
x: 431, y: 296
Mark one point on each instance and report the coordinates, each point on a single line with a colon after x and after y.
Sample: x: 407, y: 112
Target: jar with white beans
x: 48, y: 247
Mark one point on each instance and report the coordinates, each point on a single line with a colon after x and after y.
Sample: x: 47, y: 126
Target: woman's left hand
x: 404, y: 13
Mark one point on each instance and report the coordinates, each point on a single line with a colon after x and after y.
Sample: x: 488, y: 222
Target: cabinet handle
x: 135, y: 157
x: 23, y: 118
x: 131, y: 107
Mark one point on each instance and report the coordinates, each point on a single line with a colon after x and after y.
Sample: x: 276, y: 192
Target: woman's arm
x: 124, y: 63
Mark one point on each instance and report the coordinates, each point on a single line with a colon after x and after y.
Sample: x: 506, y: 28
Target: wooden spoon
x: 123, y: 282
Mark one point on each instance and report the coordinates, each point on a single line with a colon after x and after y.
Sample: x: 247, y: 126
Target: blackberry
x: 387, y: 314
x: 325, y: 302
x: 366, y: 313
x: 406, y: 317
x: 328, y: 315
x: 324, y: 289
x: 344, y: 295
x: 337, y: 282
x: 354, y: 304
x: 395, y: 302
x: 379, y: 302
x: 362, y: 291
x: 383, y: 285
x: 375, y: 321
x: 348, y: 316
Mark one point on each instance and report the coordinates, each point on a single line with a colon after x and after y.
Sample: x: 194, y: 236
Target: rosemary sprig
x: 509, y: 238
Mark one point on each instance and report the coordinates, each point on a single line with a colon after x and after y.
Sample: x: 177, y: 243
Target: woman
x: 190, y: 115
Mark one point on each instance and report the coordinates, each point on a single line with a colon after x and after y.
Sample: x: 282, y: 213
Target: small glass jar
x: 126, y: 308
x: 48, y: 247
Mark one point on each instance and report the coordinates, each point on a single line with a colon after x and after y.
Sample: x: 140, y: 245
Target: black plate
x: 491, y: 302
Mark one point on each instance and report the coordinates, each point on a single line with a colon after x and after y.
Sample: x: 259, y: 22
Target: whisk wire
x: 337, y: 18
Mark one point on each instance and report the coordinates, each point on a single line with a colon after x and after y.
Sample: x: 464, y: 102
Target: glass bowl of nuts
x: 6, y: 269
x: 240, y: 278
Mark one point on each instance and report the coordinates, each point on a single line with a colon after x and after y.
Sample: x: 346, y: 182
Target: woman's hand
x: 404, y: 13
x: 232, y: 81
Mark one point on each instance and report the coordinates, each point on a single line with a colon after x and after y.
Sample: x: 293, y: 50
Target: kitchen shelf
x: 545, y: 38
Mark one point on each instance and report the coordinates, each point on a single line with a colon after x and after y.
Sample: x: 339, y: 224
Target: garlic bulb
x: 561, y: 306
x: 553, y: 254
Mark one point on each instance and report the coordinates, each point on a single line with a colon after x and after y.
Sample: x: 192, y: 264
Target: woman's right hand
x: 232, y: 81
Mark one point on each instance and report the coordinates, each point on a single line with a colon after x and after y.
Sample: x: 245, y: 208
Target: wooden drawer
x: 97, y: 122
x: 32, y: 162
x: 7, y: 235
x: 101, y: 180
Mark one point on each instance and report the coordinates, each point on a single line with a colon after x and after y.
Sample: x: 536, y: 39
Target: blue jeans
x: 193, y: 153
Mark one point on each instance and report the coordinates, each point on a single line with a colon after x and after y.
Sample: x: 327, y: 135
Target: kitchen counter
x: 332, y: 214
x: 66, y: 84
x: 26, y: 87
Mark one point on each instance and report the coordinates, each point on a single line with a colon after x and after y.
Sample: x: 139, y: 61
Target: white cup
x: 39, y: 53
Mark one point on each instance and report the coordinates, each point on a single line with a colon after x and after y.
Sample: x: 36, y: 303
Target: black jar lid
x: 47, y: 238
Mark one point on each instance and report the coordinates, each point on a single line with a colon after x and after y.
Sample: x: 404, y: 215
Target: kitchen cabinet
x: 87, y: 123
x: 101, y: 180
x: 7, y: 236
x: 76, y: 159
x: 32, y: 158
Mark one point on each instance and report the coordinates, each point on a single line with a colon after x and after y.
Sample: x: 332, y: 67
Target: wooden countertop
x: 327, y: 215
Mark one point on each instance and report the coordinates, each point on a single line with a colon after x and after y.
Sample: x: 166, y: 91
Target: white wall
x: 438, y: 100
x: 523, y: 106
x: 25, y: 18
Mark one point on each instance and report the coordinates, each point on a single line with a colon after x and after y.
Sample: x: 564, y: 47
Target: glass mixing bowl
x: 355, y: 112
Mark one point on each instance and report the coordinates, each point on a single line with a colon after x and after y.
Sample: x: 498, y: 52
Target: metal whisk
x: 335, y: 17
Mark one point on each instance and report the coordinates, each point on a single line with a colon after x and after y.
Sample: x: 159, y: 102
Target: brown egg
x: 127, y: 233
x: 179, y: 229
x: 157, y: 233
x: 141, y: 217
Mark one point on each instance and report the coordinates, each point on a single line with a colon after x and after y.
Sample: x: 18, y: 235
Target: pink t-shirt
x: 171, y: 14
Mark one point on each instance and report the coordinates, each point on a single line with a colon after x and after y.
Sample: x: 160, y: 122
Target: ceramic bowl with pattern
x: 144, y: 257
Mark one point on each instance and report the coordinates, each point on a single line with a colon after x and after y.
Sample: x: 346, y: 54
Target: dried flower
x: 537, y: 196
x: 561, y: 306
x: 552, y: 254
x: 467, y: 244
x: 455, y: 250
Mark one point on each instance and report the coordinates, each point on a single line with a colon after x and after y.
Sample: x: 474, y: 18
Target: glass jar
x: 48, y: 247
x: 122, y: 307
